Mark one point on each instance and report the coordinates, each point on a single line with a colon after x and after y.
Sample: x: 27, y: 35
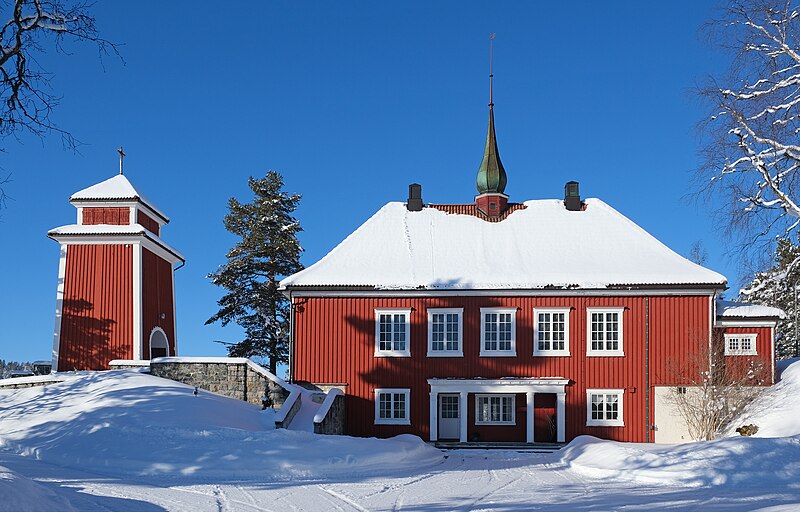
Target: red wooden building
x: 499, y: 321
x: 116, y: 295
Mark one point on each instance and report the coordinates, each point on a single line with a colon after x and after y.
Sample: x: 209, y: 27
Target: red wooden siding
x: 147, y: 221
x: 97, y: 314
x: 115, y: 216
x: 762, y: 362
x: 156, y: 299
x: 335, y: 341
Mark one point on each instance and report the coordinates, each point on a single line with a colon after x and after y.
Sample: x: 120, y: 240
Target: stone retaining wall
x: 333, y: 423
x: 233, y: 379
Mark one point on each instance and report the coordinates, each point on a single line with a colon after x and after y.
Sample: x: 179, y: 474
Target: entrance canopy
x: 528, y: 385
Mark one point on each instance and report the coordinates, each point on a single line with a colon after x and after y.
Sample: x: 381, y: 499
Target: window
x: 391, y: 406
x: 605, y: 332
x: 740, y: 345
x: 498, y: 332
x: 604, y: 407
x: 444, y: 332
x: 551, y: 332
x: 494, y: 410
x: 391, y: 332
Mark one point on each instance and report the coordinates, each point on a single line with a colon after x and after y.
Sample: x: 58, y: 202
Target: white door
x: 449, y: 417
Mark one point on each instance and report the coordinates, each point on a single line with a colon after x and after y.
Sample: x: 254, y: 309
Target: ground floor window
x: 391, y: 406
x: 604, y: 407
x: 494, y: 410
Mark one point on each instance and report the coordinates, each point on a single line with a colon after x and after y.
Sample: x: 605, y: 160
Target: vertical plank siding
x: 97, y: 316
x: 115, y: 216
x: 156, y: 299
x: 335, y: 343
x: 148, y: 222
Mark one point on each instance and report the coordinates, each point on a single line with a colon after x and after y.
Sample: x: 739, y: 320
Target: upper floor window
x: 605, y: 331
x: 498, y: 332
x: 392, y: 332
x: 740, y: 345
x: 391, y: 406
x: 604, y: 408
x: 551, y: 332
x: 445, y: 332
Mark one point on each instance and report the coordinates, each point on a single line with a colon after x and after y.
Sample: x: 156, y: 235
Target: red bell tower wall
x: 97, y: 308
x: 157, y: 299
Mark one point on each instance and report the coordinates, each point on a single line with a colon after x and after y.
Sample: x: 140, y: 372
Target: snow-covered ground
x: 124, y: 440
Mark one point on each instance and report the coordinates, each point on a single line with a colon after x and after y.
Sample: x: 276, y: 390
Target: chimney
x: 414, y: 197
x: 572, y: 197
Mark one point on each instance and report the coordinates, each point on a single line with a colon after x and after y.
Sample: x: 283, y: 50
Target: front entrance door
x: 449, y: 417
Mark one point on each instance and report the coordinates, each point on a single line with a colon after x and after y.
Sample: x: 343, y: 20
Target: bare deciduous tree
x: 751, y: 146
x: 715, y: 389
x: 33, y: 27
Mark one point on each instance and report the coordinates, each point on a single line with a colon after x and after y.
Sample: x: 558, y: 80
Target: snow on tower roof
x: 541, y: 246
x: 728, y: 309
x: 103, y: 230
x: 117, y: 188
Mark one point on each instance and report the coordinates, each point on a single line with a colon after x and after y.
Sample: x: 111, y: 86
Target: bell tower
x: 116, y: 295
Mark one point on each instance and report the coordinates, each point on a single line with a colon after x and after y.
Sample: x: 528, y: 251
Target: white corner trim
x: 80, y: 216
x: 446, y: 353
x: 619, y: 422
x: 62, y: 271
x: 551, y: 353
x: 393, y: 421
x: 133, y: 215
x: 137, y: 301
x: 174, y: 315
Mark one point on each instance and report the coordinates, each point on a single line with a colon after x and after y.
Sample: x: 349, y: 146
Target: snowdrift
x: 769, y: 457
x: 129, y: 423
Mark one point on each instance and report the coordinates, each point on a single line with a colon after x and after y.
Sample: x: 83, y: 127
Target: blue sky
x: 351, y: 102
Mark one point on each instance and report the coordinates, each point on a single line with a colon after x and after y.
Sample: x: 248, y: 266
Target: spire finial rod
x: 121, y: 156
x: 491, y: 75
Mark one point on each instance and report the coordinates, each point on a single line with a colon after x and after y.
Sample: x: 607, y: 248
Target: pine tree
x: 775, y: 287
x: 268, y: 250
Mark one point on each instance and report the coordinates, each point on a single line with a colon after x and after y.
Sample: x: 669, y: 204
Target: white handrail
x: 294, y: 396
x: 327, y: 404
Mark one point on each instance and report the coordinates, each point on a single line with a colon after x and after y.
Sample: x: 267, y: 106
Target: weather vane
x: 491, y: 50
x: 121, y: 156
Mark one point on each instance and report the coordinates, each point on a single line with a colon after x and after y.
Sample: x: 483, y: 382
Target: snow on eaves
x: 75, y: 230
x: 117, y: 188
x: 541, y: 246
x: 727, y: 309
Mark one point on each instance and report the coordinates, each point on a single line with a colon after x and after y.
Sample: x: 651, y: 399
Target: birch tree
x: 752, y: 143
x: 34, y: 27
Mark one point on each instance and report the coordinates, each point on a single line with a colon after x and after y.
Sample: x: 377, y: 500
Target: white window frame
x: 499, y: 353
x: 740, y: 351
x: 513, y: 399
x: 619, y: 422
x: 392, y: 353
x: 551, y: 352
x: 393, y: 421
x: 459, y: 352
x: 620, y: 322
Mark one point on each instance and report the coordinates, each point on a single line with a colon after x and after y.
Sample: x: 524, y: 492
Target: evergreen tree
x: 775, y: 287
x: 268, y: 250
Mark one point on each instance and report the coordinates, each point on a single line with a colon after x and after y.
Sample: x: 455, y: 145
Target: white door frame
x: 455, y: 423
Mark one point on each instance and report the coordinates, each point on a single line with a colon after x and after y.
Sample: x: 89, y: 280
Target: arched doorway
x: 159, y: 345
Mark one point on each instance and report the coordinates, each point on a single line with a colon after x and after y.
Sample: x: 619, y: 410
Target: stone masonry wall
x: 334, y: 421
x: 231, y: 379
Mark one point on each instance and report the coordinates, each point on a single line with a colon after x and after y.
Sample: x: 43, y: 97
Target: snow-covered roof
x: 118, y: 188
x: 541, y: 246
x: 71, y: 230
x: 727, y: 309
